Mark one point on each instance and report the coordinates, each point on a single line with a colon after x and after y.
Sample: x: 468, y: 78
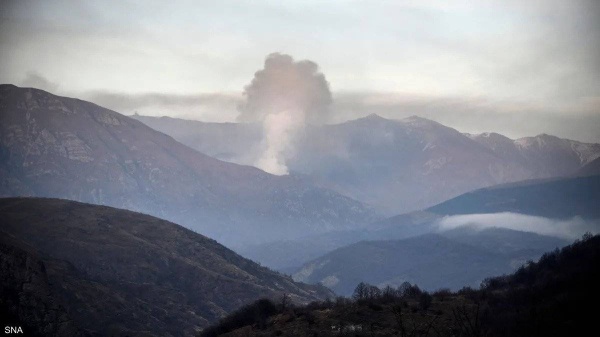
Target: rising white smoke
x: 279, y: 130
x: 284, y: 96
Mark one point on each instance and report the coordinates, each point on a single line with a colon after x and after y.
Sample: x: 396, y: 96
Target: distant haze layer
x: 569, y: 229
x: 514, y: 67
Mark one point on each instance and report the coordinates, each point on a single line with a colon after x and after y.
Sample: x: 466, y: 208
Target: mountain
x: 547, y: 155
x: 396, y: 166
x: 53, y: 146
x: 232, y: 142
x: 591, y: 168
x: 453, y: 259
x: 556, y: 198
x: 560, y: 198
x: 68, y: 269
x: 550, y: 199
x: 552, y: 297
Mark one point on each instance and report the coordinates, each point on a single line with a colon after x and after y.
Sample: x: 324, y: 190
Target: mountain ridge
x: 60, y: 147
x: 554, y: 199
x: 396, y: 165
x: 116, y: 270
x: 453, y: 259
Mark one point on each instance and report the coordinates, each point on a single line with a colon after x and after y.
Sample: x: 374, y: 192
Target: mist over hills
x: 560, y: 198
x: 563, y: 207
x: 299, y: 168
x: 552, y: 202
x: 78, y: 269
x: 396, y: 166
x: 316, y: 223
x: 55, y: 146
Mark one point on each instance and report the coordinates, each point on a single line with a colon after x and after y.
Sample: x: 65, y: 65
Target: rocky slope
x: 590, y: 169
x: 394, y: 165
x: 70, y: 268
x: 546, y: 155
x: 26, y: 300
x: 54, y: 146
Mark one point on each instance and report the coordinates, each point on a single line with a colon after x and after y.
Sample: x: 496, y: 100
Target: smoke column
x: 284, y: 96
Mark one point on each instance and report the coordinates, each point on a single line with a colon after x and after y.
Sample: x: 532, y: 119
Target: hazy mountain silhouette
x: 556, y: 198
x: 54, y: 146
x: 591, y: 168
x: 561, y: 198
x: 393, y: 165
x: 452, y: 259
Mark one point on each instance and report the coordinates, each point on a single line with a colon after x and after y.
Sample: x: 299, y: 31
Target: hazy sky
x: 515, y: 67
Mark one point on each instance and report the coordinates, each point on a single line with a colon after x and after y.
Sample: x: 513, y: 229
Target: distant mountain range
x: 314, y: 223
x: 53, y: 146
x: 562, y: 198
x: 452, y: 259
x: 559, y: 198
x: 396, y: 166
x: 73, y: 269
x: 432, y: 256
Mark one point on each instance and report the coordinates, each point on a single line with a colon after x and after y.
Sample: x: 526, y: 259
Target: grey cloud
x: 579, y: 120
x: 559, y: 55
x: 213, y: 107
x: 35, y: 80
x: 123, y: 101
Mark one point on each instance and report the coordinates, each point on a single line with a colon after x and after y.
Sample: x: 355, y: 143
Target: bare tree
x: 468, y: 320
x: 361, y: 291
x: 285, y: 301
x: 398, y: 315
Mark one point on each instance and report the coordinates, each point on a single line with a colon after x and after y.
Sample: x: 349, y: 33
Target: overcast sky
x: 514, y: 67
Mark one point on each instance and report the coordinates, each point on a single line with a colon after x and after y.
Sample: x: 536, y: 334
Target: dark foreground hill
x: 553, y: 297
x: 61, y: 147
x: 68, y: 268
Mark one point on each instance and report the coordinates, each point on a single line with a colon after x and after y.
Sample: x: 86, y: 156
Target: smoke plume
x: 284, y: 96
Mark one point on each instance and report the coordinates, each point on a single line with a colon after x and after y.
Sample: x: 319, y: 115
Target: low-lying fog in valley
x: 570, y: 229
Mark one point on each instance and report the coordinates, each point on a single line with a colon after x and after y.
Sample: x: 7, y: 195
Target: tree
x: 361, y: 291
x: 285, y: 301
x: 425, y: 300
x: 398, y: 315
x: 404, y: 288
x: 389, y: 293
x: 373, y: 292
